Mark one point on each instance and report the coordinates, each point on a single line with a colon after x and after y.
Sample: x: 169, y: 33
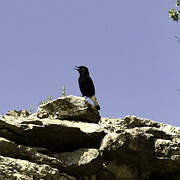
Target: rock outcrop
x: 69, y: 108
x: 67, y: 140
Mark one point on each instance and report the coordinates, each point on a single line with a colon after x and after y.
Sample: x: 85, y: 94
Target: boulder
x: 69, y: 108
x: 24, y: 170
x: 137, y: 148
x: 66, y: 139
x: 55, y: 135
x: 81, y: 162
x: 35, y: 155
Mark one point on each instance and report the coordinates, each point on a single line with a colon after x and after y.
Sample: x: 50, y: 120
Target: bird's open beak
x: 76, y: 68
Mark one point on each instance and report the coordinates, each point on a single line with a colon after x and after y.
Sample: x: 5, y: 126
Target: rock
x: 23, y: 170
x: 55, y: 135
x: 136, y: 148
x: 69, y: 108
x: 81, y: 162
x: 66, y: 140
x: 128, y: 122
x: 133, y: 121
x: 132, y: 146
x: 22, y: 113
x: 10, y: 149
x: 166, y: 148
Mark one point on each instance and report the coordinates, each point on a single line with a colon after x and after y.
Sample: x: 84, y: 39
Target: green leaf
x: 63, y: 94
x: 49, y: 98
x: 178, y: 3
x: 174, y: 14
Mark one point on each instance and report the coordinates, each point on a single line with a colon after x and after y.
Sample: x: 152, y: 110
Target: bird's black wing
x: 86, y: 86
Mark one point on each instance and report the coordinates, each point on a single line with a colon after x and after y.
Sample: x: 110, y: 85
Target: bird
x: 86, y: 85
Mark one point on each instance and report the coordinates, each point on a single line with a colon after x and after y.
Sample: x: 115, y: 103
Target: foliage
x: 63, y: 94
x: 174, y: 15
x: 178, y: 3
x: 174, y: 12
x: 49, y: 98
x: 43, y: 102
x: 30, y: 110
x: 46, y: 101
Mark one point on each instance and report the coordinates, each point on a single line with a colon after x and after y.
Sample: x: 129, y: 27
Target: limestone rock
x: 23, y: 170
x: 69, y: 108
x: 22, y: 113
x: 55, y: 135
x: 136, y: 148
x: 10, y: 149
x: 165, y: 149
x: 128, y: 122
x: 54, y: 143
x: 132, y: 146
x: 81, y: 162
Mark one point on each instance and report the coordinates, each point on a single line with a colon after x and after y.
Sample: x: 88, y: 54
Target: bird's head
x: 82, y: 70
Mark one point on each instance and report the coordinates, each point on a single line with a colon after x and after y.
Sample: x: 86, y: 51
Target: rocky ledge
x: 67, y: 140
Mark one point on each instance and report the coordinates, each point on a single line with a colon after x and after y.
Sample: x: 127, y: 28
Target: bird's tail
x: 94, y: 100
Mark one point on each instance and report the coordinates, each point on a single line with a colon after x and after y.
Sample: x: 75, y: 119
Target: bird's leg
x: 94, y: 100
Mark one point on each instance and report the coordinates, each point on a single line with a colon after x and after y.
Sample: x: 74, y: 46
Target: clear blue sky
x: 128, y: 46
